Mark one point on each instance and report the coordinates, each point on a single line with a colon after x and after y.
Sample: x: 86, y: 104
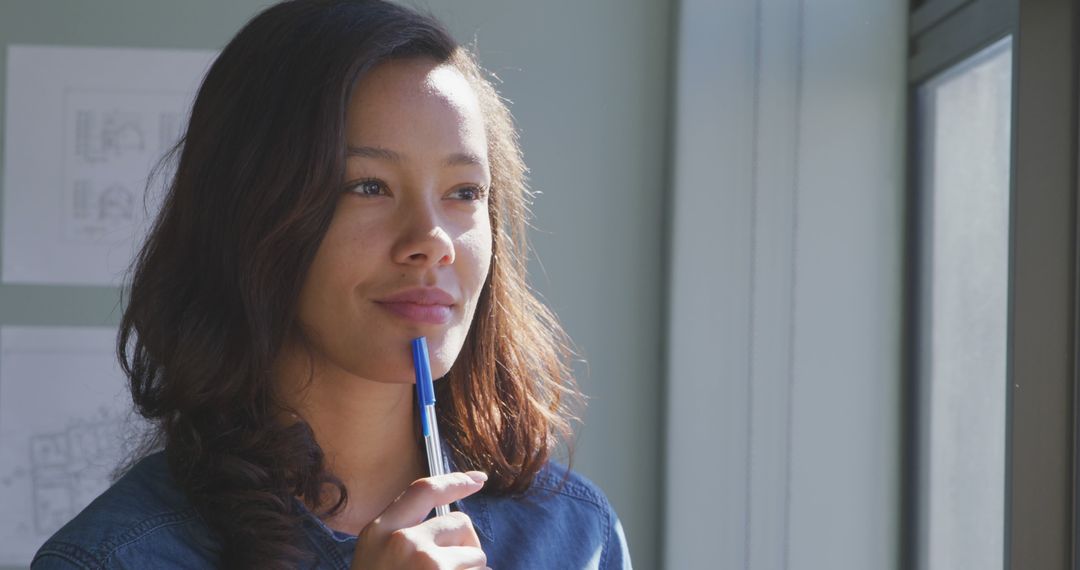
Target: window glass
x: 964, y: 117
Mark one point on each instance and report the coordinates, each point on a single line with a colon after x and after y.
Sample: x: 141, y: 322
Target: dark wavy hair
x: 213, y: 292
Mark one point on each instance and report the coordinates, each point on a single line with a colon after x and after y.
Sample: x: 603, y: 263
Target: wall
x: 783, y: 442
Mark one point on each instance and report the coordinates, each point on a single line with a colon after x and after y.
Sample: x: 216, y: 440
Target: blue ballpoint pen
x: 425, y: 398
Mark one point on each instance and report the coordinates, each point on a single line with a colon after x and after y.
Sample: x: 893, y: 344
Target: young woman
x: 349, y: 181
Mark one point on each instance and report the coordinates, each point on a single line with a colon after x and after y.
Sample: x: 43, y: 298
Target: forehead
x: 416, y: 106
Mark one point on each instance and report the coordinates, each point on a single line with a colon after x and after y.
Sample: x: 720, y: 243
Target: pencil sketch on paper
x: 66, y: 423
x: 100, y: 136
x: 65, y: 469
x: 69, y: 468
x: 114, y: 140
x: 85, y: 130
x: 95, y: 211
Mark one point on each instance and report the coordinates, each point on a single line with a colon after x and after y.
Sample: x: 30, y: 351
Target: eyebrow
x: 455, y: 159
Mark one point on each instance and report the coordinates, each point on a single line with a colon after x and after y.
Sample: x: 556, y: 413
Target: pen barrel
x: 433, y: 446
x: 432, y: 457
x: 435, y: 466
x: 439, y: 468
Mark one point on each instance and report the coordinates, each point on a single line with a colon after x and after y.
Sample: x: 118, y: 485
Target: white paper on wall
x: 65, y: 425
x: 84, y: 127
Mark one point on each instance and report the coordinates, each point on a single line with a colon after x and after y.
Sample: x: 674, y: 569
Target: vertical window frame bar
x: 1040, y: 482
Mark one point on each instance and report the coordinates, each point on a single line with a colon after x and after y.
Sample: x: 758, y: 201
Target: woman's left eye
x: 469, y: 193
x: 368, y: 187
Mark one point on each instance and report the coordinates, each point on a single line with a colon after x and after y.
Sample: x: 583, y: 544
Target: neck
x: 366, y: 430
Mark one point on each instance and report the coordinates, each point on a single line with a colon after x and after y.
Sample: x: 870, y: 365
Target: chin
x: 399, y: 372
x: 390, y: 361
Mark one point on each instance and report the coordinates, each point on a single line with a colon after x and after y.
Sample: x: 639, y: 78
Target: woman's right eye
x: 368, y: 187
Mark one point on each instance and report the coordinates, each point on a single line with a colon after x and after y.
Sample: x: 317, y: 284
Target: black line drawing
x: 104, y: 135
x: 98, y: 213
x: 116, y: 204
x: 69, y: 468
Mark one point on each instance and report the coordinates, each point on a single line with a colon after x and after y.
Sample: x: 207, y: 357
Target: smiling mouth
x: 420, y: 313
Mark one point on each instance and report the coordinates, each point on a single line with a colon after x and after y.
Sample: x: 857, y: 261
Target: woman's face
x: 409, y: 246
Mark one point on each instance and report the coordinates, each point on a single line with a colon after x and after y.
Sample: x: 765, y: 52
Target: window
x: 963, y: 118
x: 992, y: 336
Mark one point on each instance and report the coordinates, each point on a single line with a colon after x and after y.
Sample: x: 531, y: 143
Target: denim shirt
x: 145, y: 521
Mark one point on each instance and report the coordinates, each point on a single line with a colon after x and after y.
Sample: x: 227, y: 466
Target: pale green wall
x: 786, y: 286
x: 589, y: 85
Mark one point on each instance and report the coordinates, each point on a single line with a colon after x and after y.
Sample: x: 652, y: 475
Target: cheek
x: 348, y: 250
x: 343, y: 260
x: 475, y: 246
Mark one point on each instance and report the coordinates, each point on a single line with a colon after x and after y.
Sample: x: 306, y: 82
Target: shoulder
x: 564, y: 520
x: 143, y: 516
x: 561, y: 480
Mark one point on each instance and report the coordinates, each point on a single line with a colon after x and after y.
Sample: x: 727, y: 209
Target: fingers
x: 454, y: 529
x: 443, y: 542
x: 423, y: 495
x: 401, y: 538
x: 462, y: 557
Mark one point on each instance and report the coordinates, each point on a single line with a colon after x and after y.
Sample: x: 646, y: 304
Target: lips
x: 421, y: 305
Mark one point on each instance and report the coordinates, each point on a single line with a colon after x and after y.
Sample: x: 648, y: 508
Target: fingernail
x: 478, y: 476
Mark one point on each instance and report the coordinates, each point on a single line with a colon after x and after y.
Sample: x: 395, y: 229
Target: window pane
x: 964, y: 125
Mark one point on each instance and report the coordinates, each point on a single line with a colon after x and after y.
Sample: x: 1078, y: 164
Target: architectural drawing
x: 101, y: 135
x: 97, y: 213
x: 70, y: 468
x: 85, y: 132
x: 65, y: 424
x: 114, y: 140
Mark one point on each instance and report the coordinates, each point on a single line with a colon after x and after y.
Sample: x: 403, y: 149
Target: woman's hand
x: 401, y: 538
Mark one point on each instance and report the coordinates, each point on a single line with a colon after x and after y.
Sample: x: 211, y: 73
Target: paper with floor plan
x: 83, y: 128
x: 65, y: 423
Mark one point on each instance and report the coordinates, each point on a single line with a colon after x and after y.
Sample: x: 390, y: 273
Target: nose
x: 424, y: 240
